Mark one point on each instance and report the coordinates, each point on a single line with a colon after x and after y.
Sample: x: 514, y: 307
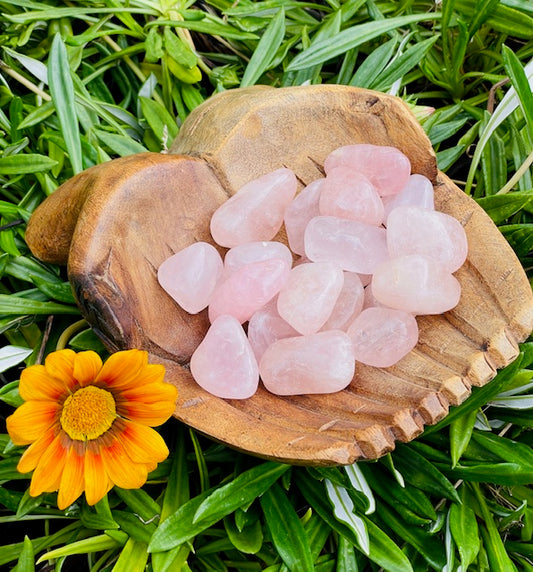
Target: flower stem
x: 69, y: 332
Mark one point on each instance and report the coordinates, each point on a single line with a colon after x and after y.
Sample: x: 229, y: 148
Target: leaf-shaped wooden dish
x: 115, y: 223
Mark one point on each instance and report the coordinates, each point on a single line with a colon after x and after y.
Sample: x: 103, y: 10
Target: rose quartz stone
x: 416, y: 284
x: 250, y: 252
x: 224, y: 363
x: 365, y: 279
x: 249, y: 288
x: 190, y: 275
x: 349, y: 303
x: 255, y: 212
x: 309, y: 296
x: 266, y: 326
x: 348, y: 194
x: 301, y: 210
x: 369, y: 300
x: 414, y: 230
x: 317, y: 363
x: 353, y: 245
x: 417, y: 193
x: 387, y: 168
x: 383, y: 336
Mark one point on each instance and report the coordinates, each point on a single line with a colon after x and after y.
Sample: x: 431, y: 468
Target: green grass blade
x: 266, y: 50
x: 520, y: 82
x: 464, y: 528
x: 16, y: 305
x: 25, y: 163
x: 26, y: 559
x: 62, y: 90
x: 288, y: 534
x: 352, y: 37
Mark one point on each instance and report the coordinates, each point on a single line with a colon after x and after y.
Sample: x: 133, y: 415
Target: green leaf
x: 11, y: 356
x: 343, y: 508
x: 177, y: 489
x: 214, y: 505
x: 249, y: 540
x: 520, y: 82
x: 501, y: 207
x: 179, y: 50
x: 346, y: 561
x: 460, y: 434
x: 133, y: 557
x: 98, y: 517
x: 25, y: 562
x: 23, y: 164
x: 87, y: 340
x: 288, y: 534
x: 265, y: 50
x: 359, y: 483
x: 430, y: 547
x: 10, y: 305
x: 352, y: 37
x: 119, y: 144
x: 463, y: 525
x: 520, y: 237
x: 159, y: 119
x: 87, y: 546
x: 373, y: 64
x: 422, y: 474
x: 62, y: 90
x: 140, y: 502
x: 134, y: 525
x: 383, y: 551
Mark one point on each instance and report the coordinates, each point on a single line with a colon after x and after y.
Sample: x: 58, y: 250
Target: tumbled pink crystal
x: 365, y: 279
x: 353, y: 245
x: 190, y: 275
x: 369, y: 301
x: 317, y: 363
x: 248, y: 288
x: 301, y: 210
x: 249, y: 252
x: 416, y: 284
x: 387, y: 167
x: 349, y: 303
x: 349, y: 194
x: 413, y: 230
x: 224, y: 363
x: 417, y: 193
x: 256, y: 211
x: 266, y: 326
x: 309, y: 296
x: 383, y: 336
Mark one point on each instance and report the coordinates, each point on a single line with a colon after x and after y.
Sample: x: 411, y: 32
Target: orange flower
x: 88, y: 424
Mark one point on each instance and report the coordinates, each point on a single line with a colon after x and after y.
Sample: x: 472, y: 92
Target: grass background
x: 84, y: 82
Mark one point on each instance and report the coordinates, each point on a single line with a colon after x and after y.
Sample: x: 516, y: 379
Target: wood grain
x: 123, y: 218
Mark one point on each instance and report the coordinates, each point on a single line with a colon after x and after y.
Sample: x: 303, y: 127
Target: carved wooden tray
x: 115, y: 223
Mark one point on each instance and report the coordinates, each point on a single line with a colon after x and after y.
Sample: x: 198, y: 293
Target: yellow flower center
x: 88, y: 413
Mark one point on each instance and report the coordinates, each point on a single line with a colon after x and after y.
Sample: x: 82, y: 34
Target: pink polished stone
x: 249, y: 252
x: 248, y: 289
x: 383, y: 336
x: 387, y: 168
x: 369, y: 300
x: 349, y: 303
x: 365, y: 279
x: 417, y: 193
x: 301, y: 210
x: 256, y: 211
x: 190, y: 275
x: 353, y: 245
x: 413, y: 230
x: 266, y: 326
x: 224, y: 363
x: 348, y: 194
x: 318, y: 363
x: 309, y: 296
x: 416, y: 284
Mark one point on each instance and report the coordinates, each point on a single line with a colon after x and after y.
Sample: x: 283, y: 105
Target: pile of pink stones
x: 371, y: 253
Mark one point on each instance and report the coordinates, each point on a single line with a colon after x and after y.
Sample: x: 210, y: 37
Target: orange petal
x: 47, y: 474
x: 86, y: 367
x: 72, y: 481
x: 31, y: 420
x: 60, y: 365
x: 143, y: 444
x: 122, y: 368
x: 149, y: 392
x: 121, y: 469
x: 34, y: 452
x: 151, y: 374
x: 96, y: 479
x: 37, y: 384
x: 153, y: 414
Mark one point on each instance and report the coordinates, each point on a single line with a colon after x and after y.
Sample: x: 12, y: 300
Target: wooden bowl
x: 115, y: 223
